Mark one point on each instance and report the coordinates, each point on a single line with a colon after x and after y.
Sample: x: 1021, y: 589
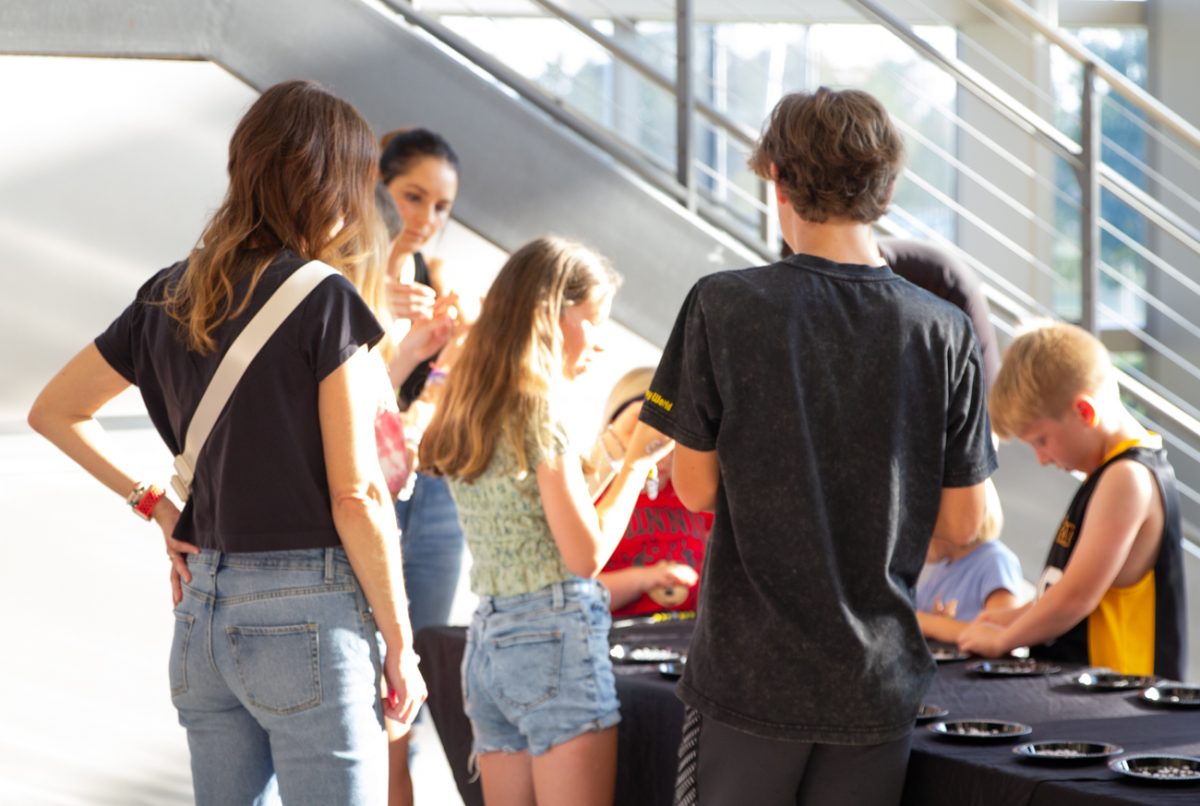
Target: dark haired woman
x: 284, y: 558
x: 421, y: 170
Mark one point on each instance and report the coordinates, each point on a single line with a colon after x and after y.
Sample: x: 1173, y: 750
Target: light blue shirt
x: 970, y: 579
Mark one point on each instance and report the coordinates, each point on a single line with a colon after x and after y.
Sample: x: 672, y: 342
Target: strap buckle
x: 181, y: 482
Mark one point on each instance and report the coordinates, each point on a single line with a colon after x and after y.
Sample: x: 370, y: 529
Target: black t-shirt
x: 840, y: 401
x: 260, y: 482
x: 941, y: 272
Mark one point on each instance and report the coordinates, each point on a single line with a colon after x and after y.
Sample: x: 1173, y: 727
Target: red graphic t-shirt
x: 661, y: 529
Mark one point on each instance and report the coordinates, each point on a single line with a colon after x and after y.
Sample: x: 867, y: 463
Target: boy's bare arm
x: 1115, y: 515
x: 1002, y: 617
x: 696, y: 475
x: 960, y: 514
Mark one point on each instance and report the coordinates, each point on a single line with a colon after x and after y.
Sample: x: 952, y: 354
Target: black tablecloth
x: 941, y: 772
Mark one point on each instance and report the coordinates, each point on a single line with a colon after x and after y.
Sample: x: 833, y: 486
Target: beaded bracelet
x: 144, y: 498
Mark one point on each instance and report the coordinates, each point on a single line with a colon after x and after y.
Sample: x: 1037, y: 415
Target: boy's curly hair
x: 836, y: 154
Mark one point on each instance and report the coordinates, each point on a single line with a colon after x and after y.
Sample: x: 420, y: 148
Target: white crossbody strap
x: 262, y: 326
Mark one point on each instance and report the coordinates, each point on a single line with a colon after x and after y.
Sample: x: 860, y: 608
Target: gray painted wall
x: 109, y: 177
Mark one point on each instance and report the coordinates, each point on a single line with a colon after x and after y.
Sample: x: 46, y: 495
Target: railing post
x: 684, y: 101
x: 1089, y: 209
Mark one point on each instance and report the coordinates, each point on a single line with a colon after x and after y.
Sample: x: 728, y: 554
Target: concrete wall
x: 113, y: 180
x: 109, y: 177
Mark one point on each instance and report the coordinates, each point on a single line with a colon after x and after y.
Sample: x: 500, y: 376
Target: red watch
x: 143, y: 498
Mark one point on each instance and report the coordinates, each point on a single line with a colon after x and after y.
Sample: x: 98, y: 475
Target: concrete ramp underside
x: 524, y: 174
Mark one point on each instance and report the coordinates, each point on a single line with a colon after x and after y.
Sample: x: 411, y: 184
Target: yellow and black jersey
x: 1141, y: 628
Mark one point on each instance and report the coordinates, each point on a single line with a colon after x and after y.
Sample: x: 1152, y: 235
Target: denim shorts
x: 536, y: 672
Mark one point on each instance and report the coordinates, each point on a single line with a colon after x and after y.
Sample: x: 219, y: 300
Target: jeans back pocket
x: 177, y: 666
x: 526, y: 667
x: 279, y: 667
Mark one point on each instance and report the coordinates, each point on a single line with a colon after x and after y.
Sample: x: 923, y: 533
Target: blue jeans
x: 274, y: 671
x: 431, y: 544
x: 536, y: 671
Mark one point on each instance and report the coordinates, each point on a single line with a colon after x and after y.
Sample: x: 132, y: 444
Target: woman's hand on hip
x: 166, y: 515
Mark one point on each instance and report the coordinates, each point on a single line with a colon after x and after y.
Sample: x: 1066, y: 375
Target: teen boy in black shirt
x: 833, y: 417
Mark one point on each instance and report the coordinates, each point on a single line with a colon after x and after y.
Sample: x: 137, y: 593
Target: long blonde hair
x: 512, y: 357
x: 370, y: 276
x: 301, y: 162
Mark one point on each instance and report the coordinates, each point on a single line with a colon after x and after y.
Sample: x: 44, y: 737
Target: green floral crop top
x: 512, y: 548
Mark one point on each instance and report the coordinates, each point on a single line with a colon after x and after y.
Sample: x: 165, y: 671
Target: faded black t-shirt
x: 944, y: 274
x: 840, y: 401
x: 260, y: 482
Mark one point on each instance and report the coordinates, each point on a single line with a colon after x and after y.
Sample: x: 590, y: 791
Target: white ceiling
x: 1071, y: 13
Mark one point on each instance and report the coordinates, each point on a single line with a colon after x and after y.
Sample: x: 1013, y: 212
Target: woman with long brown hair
x: 539, y: 686
x: 284, y: 558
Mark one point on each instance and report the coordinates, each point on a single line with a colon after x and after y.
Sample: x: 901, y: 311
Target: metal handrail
x: 1154, y: 108
x: 740, y: 132
x: 1162, y: 349
x: 975, y: 176
x: 1141, y: 201
x: 1145, y: 296
x: 1012, y: 306
x: 976, y: 83
x: 1147, y: 255
x: 976, y: 135
x: 1154, y: 176
x: 1153, y: 209
x: 1083, y: 157
x: 1138, y: 199
x: 992, y: 231
x: 1089, y: 173
x: 646, y: 169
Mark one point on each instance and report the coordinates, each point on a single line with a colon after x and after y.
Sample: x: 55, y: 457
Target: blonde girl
x: 539, y: 686
x: 960, y: 582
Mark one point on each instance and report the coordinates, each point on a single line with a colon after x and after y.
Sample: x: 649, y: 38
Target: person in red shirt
x: 656, y: 566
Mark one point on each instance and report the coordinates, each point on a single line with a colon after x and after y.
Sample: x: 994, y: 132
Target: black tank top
x: 1119, y: 628
x: 411, y: 389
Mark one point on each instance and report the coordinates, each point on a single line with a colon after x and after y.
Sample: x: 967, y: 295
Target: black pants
x: 722, y: 766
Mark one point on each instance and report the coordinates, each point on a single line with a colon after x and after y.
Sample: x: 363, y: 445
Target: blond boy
x: 1112, y: 592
